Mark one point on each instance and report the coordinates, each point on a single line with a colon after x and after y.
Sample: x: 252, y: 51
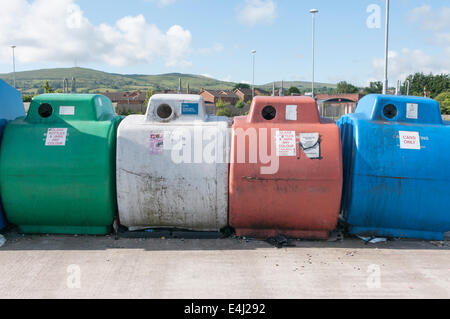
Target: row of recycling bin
x: 71, y: 166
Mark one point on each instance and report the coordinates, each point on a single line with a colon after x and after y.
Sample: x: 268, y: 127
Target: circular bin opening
x: 269, y: 113
x: 45, y: 110
x: 390, y: 111
x: 164, y: 111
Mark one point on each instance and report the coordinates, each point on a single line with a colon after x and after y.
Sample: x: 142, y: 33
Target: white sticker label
x: 56, y: 137
x: 157, y: 143
x: 412, y: 111
x: 291, y: 112
x: 67, y: 110
x: 409, y: 140
x: 286, y: 144
x: 311, y: 144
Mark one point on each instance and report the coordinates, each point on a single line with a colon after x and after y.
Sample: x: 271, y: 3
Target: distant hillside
x: 300, y: 84
x: 93, y: 81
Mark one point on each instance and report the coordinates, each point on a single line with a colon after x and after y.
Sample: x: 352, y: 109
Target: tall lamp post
x: 386, y: 53
x: 253, y: 81
x: 313, y: 12
x: 14, y: 65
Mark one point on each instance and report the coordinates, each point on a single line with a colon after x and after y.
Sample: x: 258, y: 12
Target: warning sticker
x: 291, y: 112
x: 156, y: 143
x: 286, y: 143
x: 409, y: 140
x: 412, y: 111
x: 56, y: 137
x: 67, y: 110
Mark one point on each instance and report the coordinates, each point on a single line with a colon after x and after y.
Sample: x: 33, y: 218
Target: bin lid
x: 11, y: 103
x: 394, y: 108
x: 50, y: 108
x: 176, y: 107
x: 283, y: 109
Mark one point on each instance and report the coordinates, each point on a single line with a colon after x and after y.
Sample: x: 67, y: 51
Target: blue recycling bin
x: 396, y: 153
x: 11, y: 107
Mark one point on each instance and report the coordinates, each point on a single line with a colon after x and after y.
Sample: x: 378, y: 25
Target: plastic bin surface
x: 298, y: 194
x: 11, y: 107
x: 396, y: 159
x: 172, y: 170
x: 57, y: 165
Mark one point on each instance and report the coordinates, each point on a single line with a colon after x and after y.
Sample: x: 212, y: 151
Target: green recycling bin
x: 57, y: 166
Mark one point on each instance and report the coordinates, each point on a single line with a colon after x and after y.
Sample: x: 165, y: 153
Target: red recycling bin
x: 286, y: 170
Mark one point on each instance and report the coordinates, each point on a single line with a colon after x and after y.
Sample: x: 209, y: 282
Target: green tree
x: 27, y: 98
x: 47, y: 88
x: 444, y: 101
x: 241, y: 86
x: 374, y: 88
x: 223, y: 112
x: 240, y: 104
x: 344, y: 87
x: 220, y: 103
x: 148, y: 96
x: 293, y: 90
x: 435, y: 84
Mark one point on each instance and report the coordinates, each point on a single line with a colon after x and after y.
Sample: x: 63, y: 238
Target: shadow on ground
x: 165, y: 240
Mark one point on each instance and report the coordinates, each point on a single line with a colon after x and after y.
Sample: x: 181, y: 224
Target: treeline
x: 434, y: 86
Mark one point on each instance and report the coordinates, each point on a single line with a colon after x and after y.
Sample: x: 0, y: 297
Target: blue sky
x: 215, y: 37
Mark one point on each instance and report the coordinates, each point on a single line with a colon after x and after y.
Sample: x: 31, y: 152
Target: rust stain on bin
x: 302, y: 199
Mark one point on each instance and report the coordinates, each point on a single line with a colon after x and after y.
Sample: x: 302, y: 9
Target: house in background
x: 213, y: 96
x: 132, y: 102
x: 246, y: 94
x: 336, y: 105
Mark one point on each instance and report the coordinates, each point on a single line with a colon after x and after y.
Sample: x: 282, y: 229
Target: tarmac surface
x: 42, y: 266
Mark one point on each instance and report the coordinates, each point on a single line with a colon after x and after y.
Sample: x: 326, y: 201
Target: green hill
x: 93, y: 81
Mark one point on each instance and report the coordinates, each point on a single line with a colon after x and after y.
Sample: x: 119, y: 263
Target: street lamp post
x: 313, y: 12
x: 386, y: 53
x: 14, y: 65
x: 253, y: 80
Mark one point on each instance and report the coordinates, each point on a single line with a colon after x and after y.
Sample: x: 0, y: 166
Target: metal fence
x: 334, y: 111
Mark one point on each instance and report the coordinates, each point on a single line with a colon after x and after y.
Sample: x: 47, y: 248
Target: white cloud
x: 406, y: 62
x: 257, y: 11
x: 216, y: 48
x: 435, y: 22
x: 58, y: 31
x: 162, y: 3
x: 430, y: 19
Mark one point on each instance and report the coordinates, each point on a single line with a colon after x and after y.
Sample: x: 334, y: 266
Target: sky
x: 215, y: 37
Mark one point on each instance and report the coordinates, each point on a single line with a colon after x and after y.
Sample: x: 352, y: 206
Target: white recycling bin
x: 172, y: 168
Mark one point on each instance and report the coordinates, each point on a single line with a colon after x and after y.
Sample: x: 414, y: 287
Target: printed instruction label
x: 67, y: 110
x: 189, y: 109
x: 412, y: 111
x: 157, y: 143
x: 409, y: 140
x: 291, y: 112
x: 286, y: 143
x: 56, y: 137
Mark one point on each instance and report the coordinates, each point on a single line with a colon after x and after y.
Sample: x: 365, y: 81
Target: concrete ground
x: 101, y: 267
